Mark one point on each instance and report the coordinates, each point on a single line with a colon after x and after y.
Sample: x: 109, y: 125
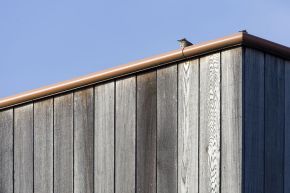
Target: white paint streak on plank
x: 188, y: 123
x: 210, y: 124
x: 231, y: 153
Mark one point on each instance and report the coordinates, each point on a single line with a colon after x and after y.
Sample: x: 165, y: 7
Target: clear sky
x: 47, y: 41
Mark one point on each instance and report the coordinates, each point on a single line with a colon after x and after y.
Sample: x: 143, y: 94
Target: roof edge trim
x: 236, y: 39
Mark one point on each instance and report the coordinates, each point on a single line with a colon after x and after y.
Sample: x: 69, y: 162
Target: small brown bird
x: 184, y: 43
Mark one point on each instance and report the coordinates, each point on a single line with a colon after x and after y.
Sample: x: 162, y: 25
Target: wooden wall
x: 266, y: 123
x: 175, y: 129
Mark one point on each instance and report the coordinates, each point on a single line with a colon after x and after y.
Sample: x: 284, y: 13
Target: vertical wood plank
x: 43, y: 146
x: 84, y: 141
x: 253, y: 121
x: 104, y: 137
x: 167, y: 130
x: 146, y: 133
x: 287, y: 129
x: 274, y: 124
x: 125, y: 135
x: 6, y: 151
x: 209, y: 154
x: 23, y: 149
x: 231, y: 139
x: 63, y: 144
x: 188, y: 124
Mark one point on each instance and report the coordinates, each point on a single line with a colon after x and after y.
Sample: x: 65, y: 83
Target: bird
x: 184, y: 43
x: 244, y: 31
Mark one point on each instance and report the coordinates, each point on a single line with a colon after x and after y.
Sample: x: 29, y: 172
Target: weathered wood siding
x: 125, y: 133
x: 167, y: 129
x: 146, y: 132
x: 6, y: 151
x: 209, y: 146
x: 43, y: 146
x: 253, y: 117
x: 23, y: 149
x: 287, y: 129
x: 274, y: 124
x: 217, y: 123
x: 104, y: 134
x: 63, y: 143
x: 84, y: 141
x: 188, y: 126
x: 231, y: 120
x: 266, y: 118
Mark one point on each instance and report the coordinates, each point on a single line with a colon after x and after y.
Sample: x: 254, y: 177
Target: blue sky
x: 44, y: 42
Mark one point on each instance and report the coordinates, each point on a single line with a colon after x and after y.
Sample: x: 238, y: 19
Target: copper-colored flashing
x: 180, y: 54
x: 266, y: 46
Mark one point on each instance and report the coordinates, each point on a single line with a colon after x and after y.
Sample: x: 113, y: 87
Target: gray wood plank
x: 274, y: 124
x: 6, y: 151
x: 287, y: 129
x: 209, y: 154
x: 188, y: 124
x: 63, y: 144
x: 43, y: 146
x: 104, y: 137
x: 125, y: 135
x: 167, y: 130
x: 146, y: 133
x: 253, y: 121
x: 84, y: 141
x: 23, y: 149
x: 231, y: 108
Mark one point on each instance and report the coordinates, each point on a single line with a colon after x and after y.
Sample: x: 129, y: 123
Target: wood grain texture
x: 63, y: 144
x: 287, y: 129
x: 209, y: 154
x: 6, y: 151
x: 274, y: 124
x: 43, y: 146
x: 188, y: 124
x: 104, y: 137
x: 146, y: 132
x: 23, y: 149
x: 167, y: 130
x: 125, y: 135
x: 84, y: 141
x: 231, y: 110
x: 253, y: 121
